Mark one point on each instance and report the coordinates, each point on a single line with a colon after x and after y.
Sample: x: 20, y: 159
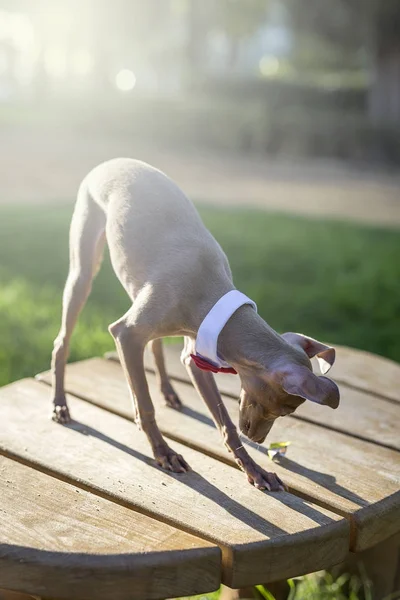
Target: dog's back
x: 153, y: 230
x: 132, y: 187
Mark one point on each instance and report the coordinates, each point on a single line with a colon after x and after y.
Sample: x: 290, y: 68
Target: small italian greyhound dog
x: 180, y: 284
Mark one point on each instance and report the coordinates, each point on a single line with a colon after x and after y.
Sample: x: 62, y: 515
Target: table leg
x: 381, y: 564
x: 248, y: 593
x: 278, y: 589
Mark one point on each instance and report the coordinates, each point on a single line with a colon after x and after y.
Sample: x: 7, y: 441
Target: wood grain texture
x: 367, y: 372
x: 361, y: 413
x: 61, y: 541
x: 263, y: 536
x: 334, y: 470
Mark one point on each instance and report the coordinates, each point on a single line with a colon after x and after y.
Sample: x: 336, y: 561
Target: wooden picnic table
x: 85, y: 513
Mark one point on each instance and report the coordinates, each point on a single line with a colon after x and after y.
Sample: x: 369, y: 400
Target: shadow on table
x: 323, y: 479
x: 201, y: 485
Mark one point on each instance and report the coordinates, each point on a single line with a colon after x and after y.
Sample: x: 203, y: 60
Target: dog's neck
x: 247, y: 340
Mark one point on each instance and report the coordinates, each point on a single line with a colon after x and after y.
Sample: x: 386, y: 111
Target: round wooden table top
x: 85, y: 513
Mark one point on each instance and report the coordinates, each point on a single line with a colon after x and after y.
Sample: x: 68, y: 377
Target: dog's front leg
x: 130, y: 341
x: 204, y: 383
x: 171, y: 397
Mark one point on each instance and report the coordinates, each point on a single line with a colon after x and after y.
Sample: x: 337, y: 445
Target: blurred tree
x: 40, y: 79
x: 373, y: 25
x: 195, y: 38
x: 239, y: 19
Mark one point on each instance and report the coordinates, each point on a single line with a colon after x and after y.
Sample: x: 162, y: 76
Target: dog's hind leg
x: 171, y: 397
x: 86, y: 244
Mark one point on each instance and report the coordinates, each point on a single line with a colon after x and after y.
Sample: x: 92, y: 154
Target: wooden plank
x: 334, y: 470
x: 368, y: 372
x: 262, y: 536
x: 361, y: 414
x: 61, y: 541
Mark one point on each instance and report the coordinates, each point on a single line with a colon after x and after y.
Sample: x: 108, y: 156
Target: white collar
x: 214, y: 322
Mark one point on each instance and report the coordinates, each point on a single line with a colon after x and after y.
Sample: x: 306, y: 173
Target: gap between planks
x: 340, y: 506
x: 100, y: 545
x: 226, y: 394
x: 233, y: 532
x: 295, y: 492
x: 337, y: 429
x: 93, y: 489
x: 175, y: 375
x: 99, y: 492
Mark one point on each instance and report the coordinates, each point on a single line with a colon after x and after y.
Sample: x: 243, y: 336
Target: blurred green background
x: 335, y: 281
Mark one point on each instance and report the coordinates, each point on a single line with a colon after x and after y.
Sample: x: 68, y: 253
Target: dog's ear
x: 300, y: 381
x: 325, y: 354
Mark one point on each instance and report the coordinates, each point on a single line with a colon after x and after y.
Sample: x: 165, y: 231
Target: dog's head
x: 275, y: 390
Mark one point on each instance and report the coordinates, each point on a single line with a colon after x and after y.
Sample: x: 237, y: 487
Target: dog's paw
x: 170, y: 460
x: 173, y: 401
x: 171, y: 397
x: 61, y: 414
x: 261, y: 479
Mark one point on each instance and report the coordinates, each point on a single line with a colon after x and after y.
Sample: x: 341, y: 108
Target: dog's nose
x: 245, y: 427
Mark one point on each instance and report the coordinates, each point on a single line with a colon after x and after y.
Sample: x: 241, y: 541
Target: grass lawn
x: 334, y: 281
x: 318, y: 586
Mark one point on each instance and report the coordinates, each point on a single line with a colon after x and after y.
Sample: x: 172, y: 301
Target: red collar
x: 205, y: 365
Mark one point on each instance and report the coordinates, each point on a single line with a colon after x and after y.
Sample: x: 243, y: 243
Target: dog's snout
x: 246, y: 426
x: 255, y: 430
